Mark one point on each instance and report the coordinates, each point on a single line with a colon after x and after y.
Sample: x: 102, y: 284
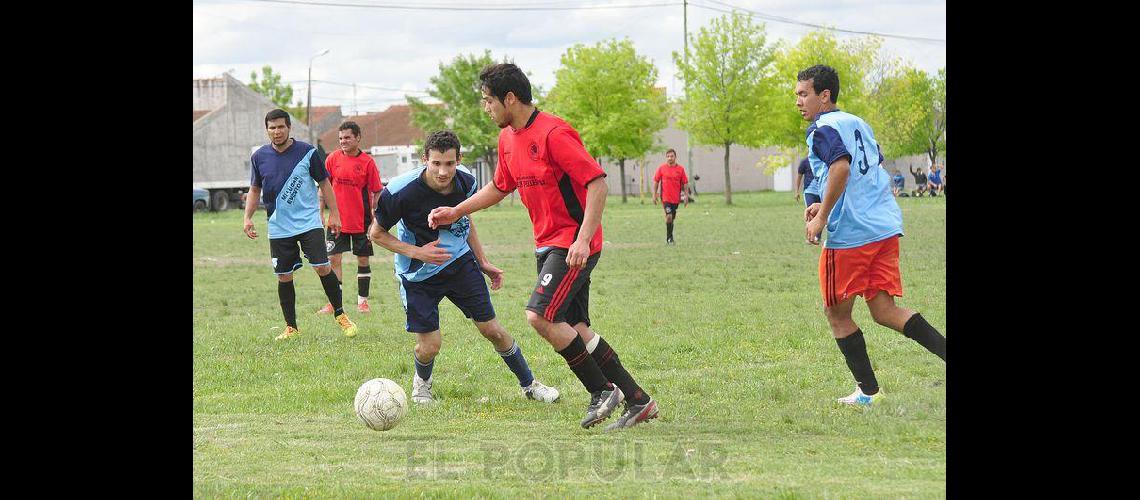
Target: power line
x: 780, y: 19
x: 362, y: 86
x: 466, y: 7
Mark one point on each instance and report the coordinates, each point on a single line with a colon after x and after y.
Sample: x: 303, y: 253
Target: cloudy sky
x: 390, y: 52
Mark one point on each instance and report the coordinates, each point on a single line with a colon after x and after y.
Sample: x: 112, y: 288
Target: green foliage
x: 457, y: 88
x: 607, y: 92
x: 270, y: 86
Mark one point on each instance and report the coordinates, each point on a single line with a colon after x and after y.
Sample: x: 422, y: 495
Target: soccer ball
x: 380, y: 404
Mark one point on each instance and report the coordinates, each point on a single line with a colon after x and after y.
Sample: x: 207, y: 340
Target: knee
x: 492, y: 332
x: 426, y: 351
x: 323, y: 270
x: 537, y: 322
x: 285, y: 278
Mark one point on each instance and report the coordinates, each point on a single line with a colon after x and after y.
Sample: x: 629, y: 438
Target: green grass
x: 725, y: 330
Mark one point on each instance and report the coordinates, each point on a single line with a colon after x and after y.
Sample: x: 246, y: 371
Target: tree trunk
x: 727, y: 177
x: 621, y: 169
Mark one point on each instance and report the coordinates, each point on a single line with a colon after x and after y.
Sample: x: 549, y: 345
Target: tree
x: 728, y: 69
x: 271, y: 87
x: 608, y: 93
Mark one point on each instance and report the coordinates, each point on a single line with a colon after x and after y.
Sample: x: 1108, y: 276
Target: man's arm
x: 485, y: 265
x: 429, y: 253
x: 326, y: 193
x: 837, y: 176
x: 251, y: 199
x: 656, y: 191
x: 486, y: 197
x: 596, y: 192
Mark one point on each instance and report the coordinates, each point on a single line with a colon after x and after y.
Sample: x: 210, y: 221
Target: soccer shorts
x: 286, y: 252
x: 562, y: 294
x: 864, y: 270
x: 342, y: 242
x: 670, y: 208
x: 810, y: 198
x: 461, y: 282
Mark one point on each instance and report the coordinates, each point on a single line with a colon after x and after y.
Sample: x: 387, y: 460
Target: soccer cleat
x: 363, y: 307
x: 602, y: 404
x: 634, y: 414
x: 669, y: 241
x: 289, y: 332
x: 327, y: 309
x: 858, y: 398
x: 539, y: 392
x: 347, y: 325
x: 421, y: 389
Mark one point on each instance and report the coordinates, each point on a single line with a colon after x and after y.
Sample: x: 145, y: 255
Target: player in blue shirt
x: 807, y: 183
x: 863, y: 223
x: 444, y: 262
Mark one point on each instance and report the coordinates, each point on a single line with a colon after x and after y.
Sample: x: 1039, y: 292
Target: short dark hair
x: 350, y: 125
x: 671, y: 150
x: 442, y: 141
x: 499, y: 79
x: 822, y: 78
x: 278, y: 114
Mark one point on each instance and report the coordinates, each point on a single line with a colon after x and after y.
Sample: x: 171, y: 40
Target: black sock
x: 288, y: 296
x: 611, y: 367
x: 669, y: 229
x: 332, y: 291
x: 363, y: 278
x: 584, y: 366
x: 854, y: 349
x: 917, y: 329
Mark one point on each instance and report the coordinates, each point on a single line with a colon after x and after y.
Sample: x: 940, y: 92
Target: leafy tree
x: 728, y: 70
x: 270, y: 86
x: 608, y: 93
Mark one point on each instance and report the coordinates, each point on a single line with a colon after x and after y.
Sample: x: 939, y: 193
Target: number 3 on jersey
x: 863, y: 166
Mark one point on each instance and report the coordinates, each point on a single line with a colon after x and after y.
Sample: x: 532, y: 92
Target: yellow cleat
x: 347, y: 325
x: 289, y: 332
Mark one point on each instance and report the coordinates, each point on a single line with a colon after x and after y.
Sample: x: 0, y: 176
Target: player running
x: 668, y: 182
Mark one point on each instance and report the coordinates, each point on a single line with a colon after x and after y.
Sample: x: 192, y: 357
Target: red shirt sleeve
x: 684, y: 177
x: 657, y: 174
x: 373, y: 176
x: 567, y: 152
x: 329, y: 165
x: 504, y: 181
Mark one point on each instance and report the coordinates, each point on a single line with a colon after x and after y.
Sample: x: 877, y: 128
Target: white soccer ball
x: 380, y: 404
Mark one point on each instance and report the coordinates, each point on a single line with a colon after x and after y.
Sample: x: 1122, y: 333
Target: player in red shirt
x: 563, y: 188
x: 668, y: 182
x: 356, y: 184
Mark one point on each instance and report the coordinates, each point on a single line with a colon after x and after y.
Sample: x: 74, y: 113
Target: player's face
x: 495, y: 108
x: 808, y: 102
x: 278, y: 131
x: 671, y: 158
x: 349, y: 143
x: 440, y: 168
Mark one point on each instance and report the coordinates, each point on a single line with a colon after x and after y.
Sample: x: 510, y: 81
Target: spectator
x: 898, y: 183
x: 919, y: 181
x: 934, y: 183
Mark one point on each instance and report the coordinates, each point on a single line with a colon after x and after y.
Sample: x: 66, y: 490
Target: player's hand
x: 333, y: 224
x: 249, y: 230
x: 441, y: 216
x: 494, y: 273
x: 654, y: 199
x: 797, y: 196
x: 814, y: 229
x: 577, y: 255
x: 811, y: 211
x: 432, y: 254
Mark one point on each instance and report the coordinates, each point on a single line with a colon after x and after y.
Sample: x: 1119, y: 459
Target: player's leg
x: 362, y: 249
x: 317, y: 253
x: 427, y: 347
x: 334, y: 247
x: 843, y: 275
x: 546, y: 310
x: 421, y: 306
x: 886, y: 284
x: 670, y: 210
x: 286, y: 258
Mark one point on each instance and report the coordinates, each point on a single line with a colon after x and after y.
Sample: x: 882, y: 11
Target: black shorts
x: 461, y: 282
x: 358, y: 243
x: 670, y: 208
x: 286, y: 252
x: 562, y: 294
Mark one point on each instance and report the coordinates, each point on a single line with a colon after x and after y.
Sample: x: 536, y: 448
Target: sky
x: 393, y: 52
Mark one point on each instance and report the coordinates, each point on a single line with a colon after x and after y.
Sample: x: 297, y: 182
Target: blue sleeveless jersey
x: 288, y: 184
x: 406, y: 203
x: 866, y: 211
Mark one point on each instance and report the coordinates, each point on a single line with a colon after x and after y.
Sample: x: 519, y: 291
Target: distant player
x: 863, y: 222
x: 806, y: 182
x: 447, y: 261
x: 286, y: 173
x: 356, y: 183
x: 668, y: 182
x: 564, y: 192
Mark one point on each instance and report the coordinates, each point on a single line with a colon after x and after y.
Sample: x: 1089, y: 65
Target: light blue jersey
x: 406, y: 203
x: 866, y: 212
x: 288, y: 182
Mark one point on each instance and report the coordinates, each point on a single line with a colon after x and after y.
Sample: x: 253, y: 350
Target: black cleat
x: 634, y: 414
x: 602, y: 405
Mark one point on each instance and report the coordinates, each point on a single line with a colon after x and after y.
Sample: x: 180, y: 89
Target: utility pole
x: 688, y: 143
x: 354, y: 110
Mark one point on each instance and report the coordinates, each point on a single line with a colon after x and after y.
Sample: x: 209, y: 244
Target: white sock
x: 360, y: 300
x: 593, y: 343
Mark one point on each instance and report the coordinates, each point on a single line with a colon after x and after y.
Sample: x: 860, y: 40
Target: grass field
x: 725, y: 330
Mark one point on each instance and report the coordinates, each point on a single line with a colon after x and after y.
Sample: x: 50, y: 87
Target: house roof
x: 320, y: 112
x: 391, y: 127
x: 198, y: 113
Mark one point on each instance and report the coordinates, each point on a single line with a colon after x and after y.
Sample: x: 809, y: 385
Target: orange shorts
x: 847, y: 272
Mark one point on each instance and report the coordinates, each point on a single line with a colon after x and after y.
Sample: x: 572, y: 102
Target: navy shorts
x: 670, y: 208
x: 461, y: 282
x: 285, y: 252
x: 810, y: 198
x: 359, y: 243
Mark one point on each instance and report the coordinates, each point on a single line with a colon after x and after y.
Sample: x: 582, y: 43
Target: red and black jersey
x: 672, y: 180
x: 353, y: 179
x: 550, y: 167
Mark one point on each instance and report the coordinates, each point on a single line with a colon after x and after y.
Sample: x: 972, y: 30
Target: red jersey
x: 672, y: 180
x: 353, y: 178
x: 550, y: 167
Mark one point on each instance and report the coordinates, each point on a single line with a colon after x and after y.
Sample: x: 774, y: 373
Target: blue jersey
x: 288, y: 183
x: 811, y: 185
x: 866, y: 212
x: 406, y: 203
